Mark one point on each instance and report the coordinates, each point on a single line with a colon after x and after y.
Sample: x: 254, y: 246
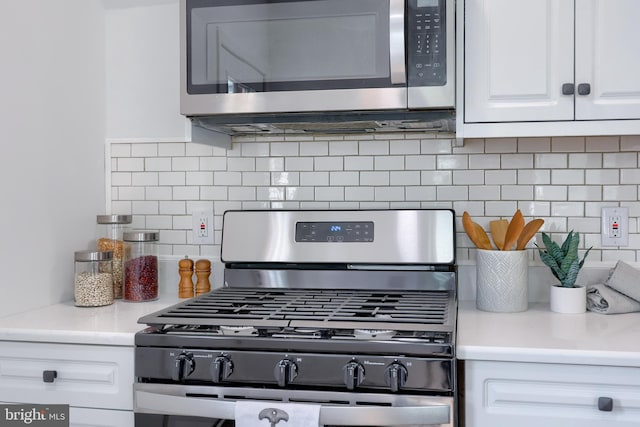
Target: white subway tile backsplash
x: 172, y: 178
x: 133, y: 164
x: 172, y: 149
x: 186, y: 193
x: 338, y: 178
x: 158, y: 193
x: 272, y: 164
x: 620, y: 192
x: 372, y: 147
x: 619, y: 160
x: 585, y: 192
x: 567, y: 177
x: 213, y: 163
x: 298, y: 163
x: 602, y: 176
x: 285, y: 178
x: 484, y: 161
x: 407, y: 146
x: 199, y: 178
x: 550, y: 192
x: 361, y: 163
x: 314, y: 178
x: 437, y: 178
x: 143, y: 150
x: 564, y: 180
x: 389, y: 163
x: 161, y: 164
x: 343, y: 148
x: 328, y: 163
x: 452, y: 161
x: 484, y: 192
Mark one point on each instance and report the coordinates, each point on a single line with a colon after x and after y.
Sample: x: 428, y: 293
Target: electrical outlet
x: 615, y: 226
x: 202, y: 227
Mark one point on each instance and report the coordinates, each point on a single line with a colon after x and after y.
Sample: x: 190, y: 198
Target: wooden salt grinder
x: 203, y: 270
x: 185, y: 268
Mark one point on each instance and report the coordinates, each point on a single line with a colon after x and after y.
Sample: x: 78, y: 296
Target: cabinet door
x: 607, y: 33
x: 518, y: 54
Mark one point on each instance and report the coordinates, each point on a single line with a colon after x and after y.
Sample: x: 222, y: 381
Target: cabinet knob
x: 568, y: 89
x: 605, y: 404
x: 49, y: 376
x: 584, y: 89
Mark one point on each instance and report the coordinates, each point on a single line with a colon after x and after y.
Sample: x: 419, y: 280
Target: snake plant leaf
x: 585, y: 256
x: 552, y: 264
x: 571, y: 254
x: 572, y: 275
x: 567, y: 242
x: 552, y: 248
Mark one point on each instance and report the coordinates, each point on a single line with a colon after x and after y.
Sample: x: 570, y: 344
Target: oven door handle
x: 167, y: 404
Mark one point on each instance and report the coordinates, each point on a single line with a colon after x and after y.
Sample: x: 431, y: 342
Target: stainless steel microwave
x: 283, y: 56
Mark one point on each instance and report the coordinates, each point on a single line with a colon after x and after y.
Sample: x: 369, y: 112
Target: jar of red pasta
x: 141, y: 266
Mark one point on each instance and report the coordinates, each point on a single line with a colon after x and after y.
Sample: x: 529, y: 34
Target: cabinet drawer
x: 530, y: 394
x: 83, y: 417
x: 86, y: 375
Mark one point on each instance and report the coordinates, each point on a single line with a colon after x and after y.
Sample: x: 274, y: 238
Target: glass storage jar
x: 110, y: 233
x: 93, y: 278
x: 141, y: 266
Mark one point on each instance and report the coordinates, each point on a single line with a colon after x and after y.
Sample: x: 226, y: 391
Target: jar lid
x: 114, y: 219
x: 141, y: 236
x: 93, y: 255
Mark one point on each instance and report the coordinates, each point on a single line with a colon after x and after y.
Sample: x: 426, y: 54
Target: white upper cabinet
x: 607, y: 59
x: 549, y: 67
x: 518, y: 53
x: 143, y: 72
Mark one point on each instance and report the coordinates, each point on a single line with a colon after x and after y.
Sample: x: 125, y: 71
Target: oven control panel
x: 345, y: 231
x: 282, y: 370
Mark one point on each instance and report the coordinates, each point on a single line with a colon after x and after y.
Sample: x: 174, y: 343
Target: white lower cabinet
x: 96, y: 381
x: 507, y: 394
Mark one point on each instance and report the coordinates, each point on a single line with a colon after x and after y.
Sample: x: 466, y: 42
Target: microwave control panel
x: 426, y: 43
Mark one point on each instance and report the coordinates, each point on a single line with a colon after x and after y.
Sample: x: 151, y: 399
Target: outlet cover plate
x: 202, y: 227
x: 615, y: 226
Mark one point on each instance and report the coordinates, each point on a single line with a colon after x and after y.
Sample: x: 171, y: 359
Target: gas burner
x: 244, y: 331
x: 371, y: 334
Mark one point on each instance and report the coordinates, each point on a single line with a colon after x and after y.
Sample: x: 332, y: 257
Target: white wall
x: 51, y: 145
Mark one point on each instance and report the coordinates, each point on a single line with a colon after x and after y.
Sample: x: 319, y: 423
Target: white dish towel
x: 265, y: 413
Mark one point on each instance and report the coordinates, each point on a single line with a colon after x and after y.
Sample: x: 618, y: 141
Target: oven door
x: 259, y: 56
x: 168, y: 405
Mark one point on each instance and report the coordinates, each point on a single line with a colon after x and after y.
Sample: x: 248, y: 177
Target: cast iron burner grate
x: 343, y: 309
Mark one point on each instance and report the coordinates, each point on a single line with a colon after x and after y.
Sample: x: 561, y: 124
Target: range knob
x: 395, y: 376
x: 221, y: 368
x: 353, y: 374
x: 285, y: 372
x: 184, y: 366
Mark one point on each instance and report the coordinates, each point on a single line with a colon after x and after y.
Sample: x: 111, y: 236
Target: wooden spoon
x: 498, y: 229
x: 528, y: 232
x: 475, y: 232
x: 513, y: 231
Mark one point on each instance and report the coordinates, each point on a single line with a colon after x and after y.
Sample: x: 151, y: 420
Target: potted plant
x: 565, y: 264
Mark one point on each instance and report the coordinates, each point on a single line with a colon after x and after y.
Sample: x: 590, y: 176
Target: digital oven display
x: 334, y: 231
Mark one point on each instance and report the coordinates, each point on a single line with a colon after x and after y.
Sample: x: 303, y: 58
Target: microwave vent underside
x: 433, y: 121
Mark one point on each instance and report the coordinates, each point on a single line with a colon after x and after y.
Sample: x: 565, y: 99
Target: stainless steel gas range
x: 353, y: 312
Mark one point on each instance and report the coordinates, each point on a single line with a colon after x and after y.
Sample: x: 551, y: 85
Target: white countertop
x: 540, y: 335
x: 114, y: 324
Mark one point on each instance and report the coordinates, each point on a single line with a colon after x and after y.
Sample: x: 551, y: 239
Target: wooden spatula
x: 528, y: 232
x: 513, y: 231
x: 475, y: 232
x: 498, y: 230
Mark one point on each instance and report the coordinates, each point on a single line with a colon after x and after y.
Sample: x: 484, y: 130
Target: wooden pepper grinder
x: 203, y: 270
x: 185, y: 268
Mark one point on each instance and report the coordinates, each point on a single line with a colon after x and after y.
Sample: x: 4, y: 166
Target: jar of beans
x: 93, y: 278
x: 141, y: 266
x: 110, y: 233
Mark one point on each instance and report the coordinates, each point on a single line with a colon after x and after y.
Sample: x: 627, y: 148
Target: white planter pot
x: 502, y: 281
x: 568, y: 300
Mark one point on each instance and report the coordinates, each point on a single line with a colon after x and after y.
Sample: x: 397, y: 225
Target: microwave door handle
x: 150, y: 402
x: 396, y: 42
